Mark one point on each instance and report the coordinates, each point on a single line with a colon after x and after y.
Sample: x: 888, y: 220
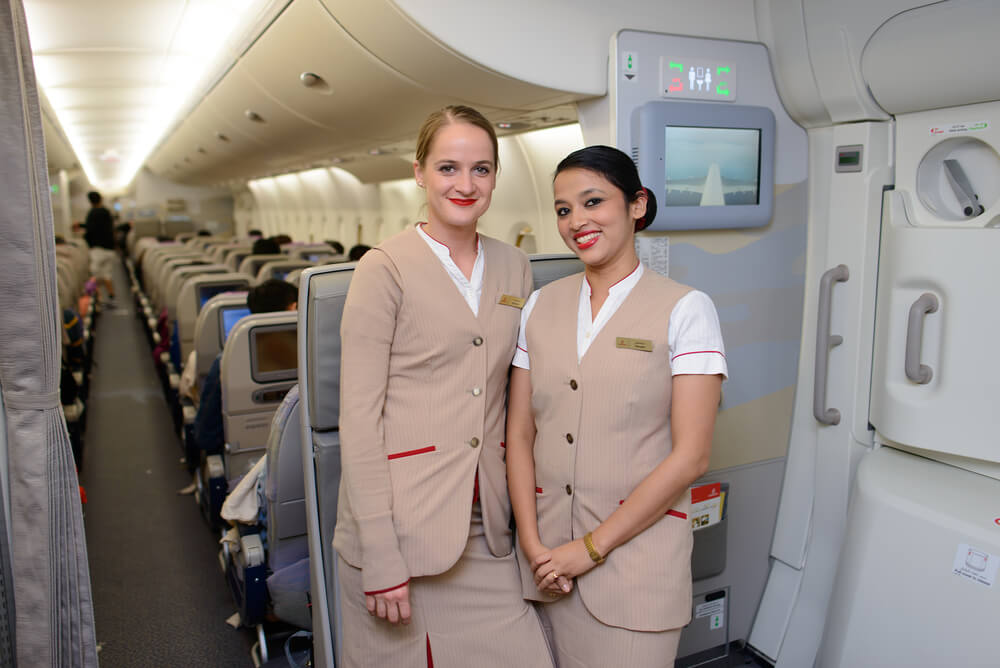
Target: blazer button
x: 478, y: 341
x: 476, y: 391
x: 473, y: 442
x: 569, y: 438
x: 569, y: 490
x: 573, y: 384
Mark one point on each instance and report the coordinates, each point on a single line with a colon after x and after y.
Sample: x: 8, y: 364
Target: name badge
x: 511, y: 300
x: 645, y: 345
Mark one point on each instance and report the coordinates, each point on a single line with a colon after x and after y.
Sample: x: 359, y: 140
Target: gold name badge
x: 645, y: 345
x: 511, y: 300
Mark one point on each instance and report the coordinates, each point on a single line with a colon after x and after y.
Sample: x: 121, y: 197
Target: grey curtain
x: 48, y: 554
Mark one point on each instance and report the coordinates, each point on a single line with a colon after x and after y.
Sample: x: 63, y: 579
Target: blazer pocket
x: 411, y: 453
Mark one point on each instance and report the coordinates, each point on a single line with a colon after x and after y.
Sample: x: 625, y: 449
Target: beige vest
x: 423, y: 404
x: 603, y: 425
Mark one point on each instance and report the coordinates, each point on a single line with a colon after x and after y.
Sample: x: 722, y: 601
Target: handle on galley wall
x: 915, y: 371
x: 825, y: 341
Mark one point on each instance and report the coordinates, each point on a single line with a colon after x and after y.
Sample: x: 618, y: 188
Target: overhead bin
x: 401, y: 44
x: 326, y: 84
x: 941, y: 55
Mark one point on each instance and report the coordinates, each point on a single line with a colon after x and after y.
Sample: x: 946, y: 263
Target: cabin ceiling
x: 199, y: 92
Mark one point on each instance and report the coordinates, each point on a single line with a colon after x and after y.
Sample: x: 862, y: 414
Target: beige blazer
x: 422, y: 405
x: 603, y: 425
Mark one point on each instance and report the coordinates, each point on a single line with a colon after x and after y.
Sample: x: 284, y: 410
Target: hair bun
x: 646, y: 220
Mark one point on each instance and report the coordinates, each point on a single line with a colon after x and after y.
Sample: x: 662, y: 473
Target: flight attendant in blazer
x: 427, y: 573
x: 604, y: 437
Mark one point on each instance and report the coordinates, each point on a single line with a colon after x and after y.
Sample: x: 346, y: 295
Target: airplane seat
x: 280, y: 532
x: 287, y: 537
x: 251, y: 264
x: 184, y: 236
x: 180, y: 225
x: 259, y: 365
x: 280, y: 269
x: 141, y: 229
x: 293, y: 276
x: 215, y: 320
x: 315, y: 253
x: 547, y: 267
x: 322, y: 292
x: 179, y: 275
x: 226, y: 251
x: 195, y: 293
x: 235, y: 258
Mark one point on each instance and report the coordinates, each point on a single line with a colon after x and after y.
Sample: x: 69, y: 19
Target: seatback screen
x: 317, y: 257
x: 228, y: 317
x: 206, y: 292
x: 711, y: 166
x: 274, y: 354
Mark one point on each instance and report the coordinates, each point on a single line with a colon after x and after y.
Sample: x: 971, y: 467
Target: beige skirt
x: 579, y: 640
x: 471, y: 615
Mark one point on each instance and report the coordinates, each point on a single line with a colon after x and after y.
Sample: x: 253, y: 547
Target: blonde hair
x: 453, y: 113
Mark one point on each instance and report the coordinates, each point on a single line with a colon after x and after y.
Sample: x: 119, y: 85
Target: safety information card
x: 976, y: 565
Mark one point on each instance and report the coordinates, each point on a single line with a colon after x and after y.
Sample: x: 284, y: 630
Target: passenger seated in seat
x: 266, y: 247
x: 357, y: 252
x: 271, y: 295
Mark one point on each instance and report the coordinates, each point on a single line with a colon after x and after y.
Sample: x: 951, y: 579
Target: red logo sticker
x: 997, y: 521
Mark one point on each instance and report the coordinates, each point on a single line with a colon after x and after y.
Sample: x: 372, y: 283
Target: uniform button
x: 478, y: 341
x: 569, y: 490
x: 473, y: 442
x: 569, y: 438
x: 573, y: 384
x: 476, y: 391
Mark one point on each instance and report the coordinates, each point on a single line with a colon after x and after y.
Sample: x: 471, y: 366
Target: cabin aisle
x: 160, y: 598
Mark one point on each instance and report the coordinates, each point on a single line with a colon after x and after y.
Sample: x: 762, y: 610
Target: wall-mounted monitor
x: 274, y: 353
x: 709, y: 165
x: 228, y: 317
x: 206, y: 292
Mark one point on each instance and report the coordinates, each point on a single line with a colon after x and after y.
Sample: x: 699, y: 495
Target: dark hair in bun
x: 618, y: 169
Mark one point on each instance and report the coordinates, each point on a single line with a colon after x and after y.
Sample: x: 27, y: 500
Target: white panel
x: 775, y: 609
x: 899, y: 601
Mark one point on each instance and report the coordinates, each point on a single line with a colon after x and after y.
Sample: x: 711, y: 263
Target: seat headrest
x: 546, y: 268
x: 322, y: 292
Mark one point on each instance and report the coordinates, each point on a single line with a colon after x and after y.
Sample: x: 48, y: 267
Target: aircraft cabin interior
x: 828, y: 173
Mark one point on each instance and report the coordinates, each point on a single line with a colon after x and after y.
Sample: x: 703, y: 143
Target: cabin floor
x: 160, y: 598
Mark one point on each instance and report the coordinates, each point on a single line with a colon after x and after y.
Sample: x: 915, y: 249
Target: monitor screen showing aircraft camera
x: 274, y: 353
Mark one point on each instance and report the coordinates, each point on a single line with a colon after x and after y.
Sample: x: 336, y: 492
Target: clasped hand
x: 392, y: 606
x: 555, y: 569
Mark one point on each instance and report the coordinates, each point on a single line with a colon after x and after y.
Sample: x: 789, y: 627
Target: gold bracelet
x: 588, y: 542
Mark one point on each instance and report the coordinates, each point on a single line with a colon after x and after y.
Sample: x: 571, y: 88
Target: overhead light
x: 201, y: 38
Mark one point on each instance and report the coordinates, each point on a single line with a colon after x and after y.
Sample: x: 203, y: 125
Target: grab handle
x: 825, y: 341
x: 915, y: 371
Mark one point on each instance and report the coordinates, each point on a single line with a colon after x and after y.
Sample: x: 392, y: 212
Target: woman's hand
x: 392, y: 606
x: 560, y: 566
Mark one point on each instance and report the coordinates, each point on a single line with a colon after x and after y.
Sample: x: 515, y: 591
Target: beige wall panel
x: 755, y: 431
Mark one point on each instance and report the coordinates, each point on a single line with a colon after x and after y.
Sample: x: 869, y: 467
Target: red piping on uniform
x: 698, y: 352
x: 671, y: 512
x: 382, y: 591
x: 502, y: 444
x: 521, y: 349
x: 538, y: 490
x: 410, y: 453
x: 430, y: 659
x: 616, y: 282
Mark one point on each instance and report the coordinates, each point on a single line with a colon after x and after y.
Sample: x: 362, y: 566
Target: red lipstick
x: 461, y: 202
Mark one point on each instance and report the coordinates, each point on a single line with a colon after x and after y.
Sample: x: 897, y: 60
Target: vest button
x: 478, y: 341
x: 476, y: 391
x: 573, y: 384
x: 473, y: 442
x: 569, y: 438
x: 569, y: 490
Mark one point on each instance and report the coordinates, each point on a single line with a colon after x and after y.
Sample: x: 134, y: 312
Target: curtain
x: 54, y: 620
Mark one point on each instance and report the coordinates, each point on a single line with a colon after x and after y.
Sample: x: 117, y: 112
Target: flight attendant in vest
x: 427, y: 572
x: 613, y: 398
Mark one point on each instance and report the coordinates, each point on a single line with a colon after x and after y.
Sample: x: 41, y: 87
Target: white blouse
x: 694, y: 334
x: 472, y: 287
